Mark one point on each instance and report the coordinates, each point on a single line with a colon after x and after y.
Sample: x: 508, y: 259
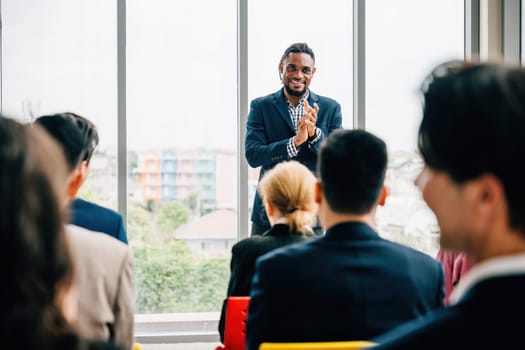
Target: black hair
x: 351, y: 167
x: 297, y: 48
x: 474, y: 124
x: 77, y: 135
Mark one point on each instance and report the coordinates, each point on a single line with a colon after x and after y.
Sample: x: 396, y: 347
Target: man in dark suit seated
x: 83, y: 213
x: 472, y: 138
x: 350, y: 283
x: 289, y: 124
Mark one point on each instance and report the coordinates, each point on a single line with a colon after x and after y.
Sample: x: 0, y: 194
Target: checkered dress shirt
x: 295, y: 114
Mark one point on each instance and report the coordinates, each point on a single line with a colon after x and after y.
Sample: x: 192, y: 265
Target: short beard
x: 293, y: 92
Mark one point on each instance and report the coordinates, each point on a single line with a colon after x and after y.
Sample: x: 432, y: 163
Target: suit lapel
x: 312, y: 98
x: 281, y: 106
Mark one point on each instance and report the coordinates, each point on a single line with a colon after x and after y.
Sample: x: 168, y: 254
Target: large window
x: 182, y: 113
x: 404, y: 41
x: 326, y: 26
x: 59, y: 56
x: 182, y: 144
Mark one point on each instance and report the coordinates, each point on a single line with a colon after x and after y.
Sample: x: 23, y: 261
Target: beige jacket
x: 104, y: 281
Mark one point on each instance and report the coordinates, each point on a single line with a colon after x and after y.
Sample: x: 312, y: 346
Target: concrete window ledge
x: 177, y: 328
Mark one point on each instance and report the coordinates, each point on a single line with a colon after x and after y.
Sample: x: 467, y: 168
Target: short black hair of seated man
x: 288, y: 124
x: 352, y: 177
x: 78, y: 137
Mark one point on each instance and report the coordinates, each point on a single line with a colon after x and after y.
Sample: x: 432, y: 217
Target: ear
x: 488, y: 195
x: 318, y: 192
x: 269, y: 208
x: 382, y: 196
x: 76, y: 179
x: 313, y: 71
x: 84, y: 170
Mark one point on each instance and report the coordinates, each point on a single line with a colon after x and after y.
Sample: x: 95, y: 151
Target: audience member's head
x: 78, y: 138
x: 472, y: 141
x: 288, y: 191
x: 37, y: 272
x: 351, y: 170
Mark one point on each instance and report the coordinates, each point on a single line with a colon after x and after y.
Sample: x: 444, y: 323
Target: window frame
x: 172, y: 329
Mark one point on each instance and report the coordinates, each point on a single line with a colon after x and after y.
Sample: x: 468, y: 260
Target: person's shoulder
x: 85, y: 239
x: 249, y: 243
x: 423, y: 333
x: 79, y: 203
x: 287, y: 254
x: 266, y: 98
x: 324, y: 99
x: 413, y: 254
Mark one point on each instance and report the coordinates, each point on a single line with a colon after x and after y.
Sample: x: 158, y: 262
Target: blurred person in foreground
x: 287, y: 191
x: 38, y: 297
x: 349, y: 284
x: 104, y: 271
x: 472, y: 140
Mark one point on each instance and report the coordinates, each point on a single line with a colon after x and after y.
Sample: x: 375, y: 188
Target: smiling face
x: 297, y: 71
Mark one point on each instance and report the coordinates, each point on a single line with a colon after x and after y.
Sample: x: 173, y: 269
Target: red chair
x: 382, y: 197
x: 235, y: 326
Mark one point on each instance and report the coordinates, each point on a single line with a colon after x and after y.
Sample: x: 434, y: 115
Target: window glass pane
x: 522, y: 34
x: 182, y: 142
x: 59, y: 56
x: 404, y: 41
x: 326, y: 26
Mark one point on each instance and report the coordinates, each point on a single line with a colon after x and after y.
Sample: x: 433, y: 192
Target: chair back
x: 337, y: 345
x: 235, y: 324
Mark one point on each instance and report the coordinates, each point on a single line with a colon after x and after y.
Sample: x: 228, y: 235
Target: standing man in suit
x: 288, y: 124
x: 103, y: 264
x: 83, y: 213
x: 472, y: 141
x: 349, y: 284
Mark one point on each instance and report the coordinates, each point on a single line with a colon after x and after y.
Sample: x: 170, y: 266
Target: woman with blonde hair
x: 287, y: 191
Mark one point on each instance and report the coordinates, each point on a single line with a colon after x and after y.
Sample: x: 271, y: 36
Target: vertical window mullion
x: 242, y: 113
x: 121, y: 110
x: 359, y: 65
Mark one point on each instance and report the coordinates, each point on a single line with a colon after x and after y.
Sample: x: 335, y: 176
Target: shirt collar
x: 500, y: 266
x: 301, y: 101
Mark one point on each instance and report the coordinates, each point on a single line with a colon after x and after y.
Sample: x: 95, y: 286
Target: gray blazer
x: 104, y: 281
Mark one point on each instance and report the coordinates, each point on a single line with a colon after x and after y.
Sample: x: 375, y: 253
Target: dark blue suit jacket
x: 488, y: 316
x: 268, y: 130
x: 349, y: 284
x: 96, y: 218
